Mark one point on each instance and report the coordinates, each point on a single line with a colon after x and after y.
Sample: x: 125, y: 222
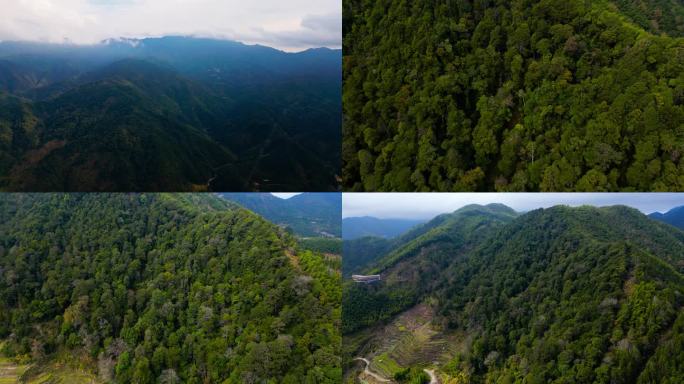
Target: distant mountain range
x: 674, y: 217
x: 357, y: 227
x: 172, y: 113
x: 306, y: 214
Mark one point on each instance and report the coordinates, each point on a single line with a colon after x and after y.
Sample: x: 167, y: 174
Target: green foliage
x: 579, y: 295
x: 358, y: 253
x: 549, y: 95
x: 166, y: 288
x: 657, y: 16
x: 412, y: 375
x: 322, y: 245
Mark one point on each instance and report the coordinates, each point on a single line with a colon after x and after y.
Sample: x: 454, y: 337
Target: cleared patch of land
x: 12, y: 372
x: 411, y: 339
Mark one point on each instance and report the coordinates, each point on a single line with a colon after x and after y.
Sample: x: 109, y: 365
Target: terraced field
x: 52, y: 373
x: 411, y: 340
x: 10, y: 372
x: 63, y: 376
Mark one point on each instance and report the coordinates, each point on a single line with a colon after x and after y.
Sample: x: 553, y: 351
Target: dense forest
x: 657, y: 16
x: 494, y: 95
x: 168, y: 114
x: 306, y: 214
x: 164, y: 288
x: 563, y: 295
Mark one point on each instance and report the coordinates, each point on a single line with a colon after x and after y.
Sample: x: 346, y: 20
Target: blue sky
x: 428, y: 205
x: 291, y: 25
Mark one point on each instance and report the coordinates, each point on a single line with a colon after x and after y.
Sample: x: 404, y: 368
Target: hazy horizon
x: 124, y: 39
x: 291, y: 26
x: 425, y: 206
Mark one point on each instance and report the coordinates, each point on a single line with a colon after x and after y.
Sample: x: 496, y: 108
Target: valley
x: 308, y: 215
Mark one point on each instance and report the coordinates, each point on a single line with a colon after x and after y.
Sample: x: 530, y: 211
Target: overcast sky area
x: 429, y: 205
x: 291, y: 25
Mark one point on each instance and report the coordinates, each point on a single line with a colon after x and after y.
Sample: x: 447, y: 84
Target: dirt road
x: 433, y: 376
x: 371, y: 373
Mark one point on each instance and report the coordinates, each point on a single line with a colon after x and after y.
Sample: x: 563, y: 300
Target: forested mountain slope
x: 307, y: 214
x: 168, y: 114
x: 537, y: 95
x: 360, y: 253
x: 557, y: 295
x: 136, y: 126
x: 417, y: 259
x: 164, y: 288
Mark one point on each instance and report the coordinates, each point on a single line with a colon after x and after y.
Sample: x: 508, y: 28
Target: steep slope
x: 356, y: 227
x: 19, y: 132
x: 169, y: 288
x: 414, y: 265
x: 135, y: 127
x: 674, y: 217
x: 562, y: 294
x: 550, y: 95
x: 306, y: 214
x: 358, y: 253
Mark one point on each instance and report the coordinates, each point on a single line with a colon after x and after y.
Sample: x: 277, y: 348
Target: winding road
x: 371, y: 373
x: 433, y: 376
x: 367, y: 371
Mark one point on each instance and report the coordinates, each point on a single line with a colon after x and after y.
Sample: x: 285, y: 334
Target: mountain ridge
x: 674, y: 217
x: 307, y: 214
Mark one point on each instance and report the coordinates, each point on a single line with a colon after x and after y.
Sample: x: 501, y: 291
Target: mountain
x: 361, y: 252
x: 356, y: 227
x: 306, y: 214
x: 510, y: 96
x: 165, y: 288
x: 220, y: 115
x: 561, y: 294
x: 674, y: 217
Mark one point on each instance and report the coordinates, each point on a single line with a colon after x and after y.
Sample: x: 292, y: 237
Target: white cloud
x: 289, y: 25
x: 429, y: 205
x: 285, y: 195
